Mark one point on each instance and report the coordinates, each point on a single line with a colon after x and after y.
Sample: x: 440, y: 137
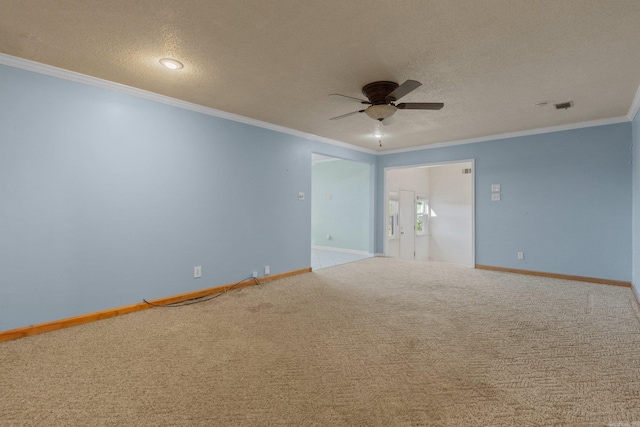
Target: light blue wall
x: 361, y: 157
x: 636, y: 204
x: 341, y: 206
x: 566, y: 199
x: 106, y: 199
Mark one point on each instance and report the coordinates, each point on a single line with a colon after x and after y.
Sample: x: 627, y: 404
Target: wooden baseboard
x: 636, y: 293
x: 556, y: 275
x: 113, y: 312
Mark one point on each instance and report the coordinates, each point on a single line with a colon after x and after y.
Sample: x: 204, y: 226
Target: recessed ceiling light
x: 541, y: 104
x: 171, y: 64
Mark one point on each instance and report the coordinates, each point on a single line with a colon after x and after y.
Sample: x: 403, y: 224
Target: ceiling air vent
x: 564, y: 105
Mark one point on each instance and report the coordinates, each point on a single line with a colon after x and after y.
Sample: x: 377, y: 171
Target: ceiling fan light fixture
x: 380, y: 112
x: 378, y: 132
x: 172, y: 64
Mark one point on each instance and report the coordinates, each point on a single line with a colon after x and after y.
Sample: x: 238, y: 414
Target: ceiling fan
x: 382, y: 97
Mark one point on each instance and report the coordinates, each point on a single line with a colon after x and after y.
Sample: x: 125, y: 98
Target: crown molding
x: 60, y: 73
x: 49, y: 70
x: 321, y: 158
x: 537, y: 131
x: 635, y: 106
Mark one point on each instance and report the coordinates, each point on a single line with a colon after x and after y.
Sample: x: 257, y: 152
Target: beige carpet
x: 379, y: 342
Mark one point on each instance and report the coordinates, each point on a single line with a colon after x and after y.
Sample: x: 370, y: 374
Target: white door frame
x: 407, y: 223
x: 372, y: 195
x: 385, y: 216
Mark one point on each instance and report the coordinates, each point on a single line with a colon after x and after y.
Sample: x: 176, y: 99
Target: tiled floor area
x: 322, y: 258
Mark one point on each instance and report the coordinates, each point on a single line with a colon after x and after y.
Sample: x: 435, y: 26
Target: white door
x: 407, y: 223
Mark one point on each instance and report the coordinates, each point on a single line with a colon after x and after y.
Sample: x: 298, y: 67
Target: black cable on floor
x: 203, y: 298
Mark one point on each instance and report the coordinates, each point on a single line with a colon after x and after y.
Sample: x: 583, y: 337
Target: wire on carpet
x: 205, y: 297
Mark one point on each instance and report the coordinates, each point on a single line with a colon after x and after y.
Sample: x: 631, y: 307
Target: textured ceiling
x: 277, y: 61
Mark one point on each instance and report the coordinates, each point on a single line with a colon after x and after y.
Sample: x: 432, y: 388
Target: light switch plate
x: 495, y: 197
x: 495, y: 187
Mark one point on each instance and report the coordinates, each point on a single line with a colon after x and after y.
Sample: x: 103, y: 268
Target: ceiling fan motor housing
x: 377, y: 92
x: 382, y: 96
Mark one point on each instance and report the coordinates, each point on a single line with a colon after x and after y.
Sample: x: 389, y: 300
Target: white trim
x: 635, y: 106
x: 571, y: 126
x: 49, y: 70
x: 429, y: 165
x: 60, y: 73
x: 473, y: 213
x: 347, y: 251
x: 473, y: 200
x: 412, y: 223
x: 322, y: 158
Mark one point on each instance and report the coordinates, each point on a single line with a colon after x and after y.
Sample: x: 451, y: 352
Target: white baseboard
x: 347, y: 251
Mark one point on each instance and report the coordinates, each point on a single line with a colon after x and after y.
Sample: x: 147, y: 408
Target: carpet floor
x: 378, y: 342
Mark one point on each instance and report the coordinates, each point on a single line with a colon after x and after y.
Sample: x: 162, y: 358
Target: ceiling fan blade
x: 402, y: 90
x: 349, y: 98
x: 388, y: 121
x: 346, y: 115
x: 420, y: 106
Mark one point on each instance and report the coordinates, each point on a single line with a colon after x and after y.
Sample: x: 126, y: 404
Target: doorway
x: 431, y: 208
x: 341, y: 224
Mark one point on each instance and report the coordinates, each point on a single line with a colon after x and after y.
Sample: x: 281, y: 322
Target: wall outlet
x: 254, y: 274
x: 197, y: 272
x: 520, y: 255
x: 267, y: 270
x: 495, y: 197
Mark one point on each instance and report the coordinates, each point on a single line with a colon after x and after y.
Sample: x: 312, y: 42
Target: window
x: 392, y: 221
x: 422, y: 216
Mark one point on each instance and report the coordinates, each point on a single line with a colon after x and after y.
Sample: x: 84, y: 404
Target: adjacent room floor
x: 323, y: 258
